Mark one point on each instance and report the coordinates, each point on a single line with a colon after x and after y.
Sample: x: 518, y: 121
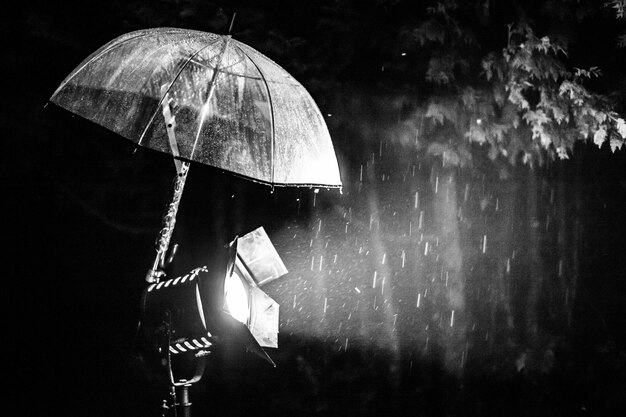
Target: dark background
x: 82, y: 210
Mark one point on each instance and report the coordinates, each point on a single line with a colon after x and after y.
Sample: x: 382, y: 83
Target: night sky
x: 422, y: 288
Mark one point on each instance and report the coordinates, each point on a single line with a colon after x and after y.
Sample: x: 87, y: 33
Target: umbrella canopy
x: 225, y: 105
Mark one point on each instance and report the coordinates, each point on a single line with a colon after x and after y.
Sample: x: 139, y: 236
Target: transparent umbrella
x: 206, y: 98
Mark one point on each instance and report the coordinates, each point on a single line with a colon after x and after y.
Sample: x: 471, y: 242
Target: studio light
x: 219, y: 303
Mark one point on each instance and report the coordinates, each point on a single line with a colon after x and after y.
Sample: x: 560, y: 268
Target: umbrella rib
x: 269, y: 96
x: 208, y: 98
x: 182, y: 68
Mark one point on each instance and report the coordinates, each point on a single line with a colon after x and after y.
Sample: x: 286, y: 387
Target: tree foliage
x: 522, y: 102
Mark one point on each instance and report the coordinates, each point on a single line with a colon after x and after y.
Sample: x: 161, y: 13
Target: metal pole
x: 169, y: 221
x: 185, y: 405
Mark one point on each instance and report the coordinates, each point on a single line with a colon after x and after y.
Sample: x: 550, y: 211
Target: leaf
x: 599, y: 137
x: 429, y: 31
x: 435, y: 112
x: 469, y: 98
x: 621, y: 127
x: 476, y: 134
x: 493, y: 152
x: 450, y: 157
x: 561, y: 151
x: 498, y: 131
x: 616, y: 144
x: 546, y: 139
x: 538, y: 117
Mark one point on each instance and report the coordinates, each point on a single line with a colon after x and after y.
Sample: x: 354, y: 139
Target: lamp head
x: 217, y: 302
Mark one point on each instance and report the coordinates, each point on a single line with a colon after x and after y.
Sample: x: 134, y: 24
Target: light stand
x: 183, y: 317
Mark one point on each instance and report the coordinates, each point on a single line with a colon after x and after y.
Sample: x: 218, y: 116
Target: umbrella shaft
x: 169, y: 221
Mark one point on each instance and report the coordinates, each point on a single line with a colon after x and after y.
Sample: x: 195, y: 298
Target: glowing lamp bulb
x: 236, y: 298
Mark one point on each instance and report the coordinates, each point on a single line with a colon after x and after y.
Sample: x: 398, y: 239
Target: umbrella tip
x: 232, y: 22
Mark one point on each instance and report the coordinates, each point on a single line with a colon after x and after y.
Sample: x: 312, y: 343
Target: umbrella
x: 206, y: 98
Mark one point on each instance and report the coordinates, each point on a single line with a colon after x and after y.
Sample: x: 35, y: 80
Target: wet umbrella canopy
x: 206, y: 98
x: 226, y: 104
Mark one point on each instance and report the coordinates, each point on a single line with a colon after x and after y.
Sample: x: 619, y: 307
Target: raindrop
x: 417, y: 197
x: 466, y: 192
x: 484, y: 245
x: 452, y: 319
x: 294, y: 301
x: 325, y: 304
x: 374, y: 281
x: 361, y: 174
x: 357, y: 290
x: 436, y: 184
x: 312, y: 262
x: 421, y: 220
x: 403, y: 258
x: 321, y: 258
x: 384, y: 258
x: 419, y: 299
x: 335, y: 259
x: 426, y: 249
